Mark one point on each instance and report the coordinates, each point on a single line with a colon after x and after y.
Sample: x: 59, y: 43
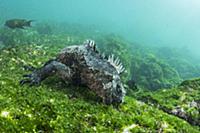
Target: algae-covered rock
x: 152, y: 73
x: 55, y: 107
x: 182, y: 101
x: 190, y: 84
x: 181, y: 59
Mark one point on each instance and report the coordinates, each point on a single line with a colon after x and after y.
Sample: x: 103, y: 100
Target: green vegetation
x: 183, y: 101
x: 148, y: 67
x: 182, y: 60
x: 152, y: 73
x: 56, y: 107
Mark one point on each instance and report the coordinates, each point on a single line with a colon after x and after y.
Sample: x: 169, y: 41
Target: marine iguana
x: 84, y: 65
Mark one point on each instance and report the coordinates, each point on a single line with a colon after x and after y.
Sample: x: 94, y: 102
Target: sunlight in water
x: 189, y: 4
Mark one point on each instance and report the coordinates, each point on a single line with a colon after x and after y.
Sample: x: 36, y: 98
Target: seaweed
x: 56, y: 107
x: 60, y: 108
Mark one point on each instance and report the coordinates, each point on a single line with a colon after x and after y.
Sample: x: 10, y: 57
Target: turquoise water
x: 153, y: 22
x: 156, y: 41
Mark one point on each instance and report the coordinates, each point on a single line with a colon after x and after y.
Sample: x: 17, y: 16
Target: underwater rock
x: 151, y: 73
x: 180, y: 102
x: 132, y: 84
x: 176, y: 111
x: 190, y: 84
x: 84, y: 65
x: 194, y: 104
x: 181, y: 113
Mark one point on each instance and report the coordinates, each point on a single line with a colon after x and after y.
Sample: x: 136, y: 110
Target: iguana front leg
x: 50, y: 68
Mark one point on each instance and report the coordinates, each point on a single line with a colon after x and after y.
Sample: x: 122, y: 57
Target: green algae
x: 184, y: 97
x: 145, y: 65
x: 55, y: 107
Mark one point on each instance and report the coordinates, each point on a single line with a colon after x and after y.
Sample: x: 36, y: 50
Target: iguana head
x: 115, y: 91
x: 106, y: 71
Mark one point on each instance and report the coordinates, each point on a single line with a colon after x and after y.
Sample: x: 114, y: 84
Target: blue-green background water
x: 162, y: 82
x: 152, y: 22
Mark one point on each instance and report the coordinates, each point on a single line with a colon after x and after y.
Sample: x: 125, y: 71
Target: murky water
x: 153, y: 22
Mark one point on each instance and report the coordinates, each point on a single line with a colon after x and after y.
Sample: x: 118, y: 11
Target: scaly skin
x: 83, y: 64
